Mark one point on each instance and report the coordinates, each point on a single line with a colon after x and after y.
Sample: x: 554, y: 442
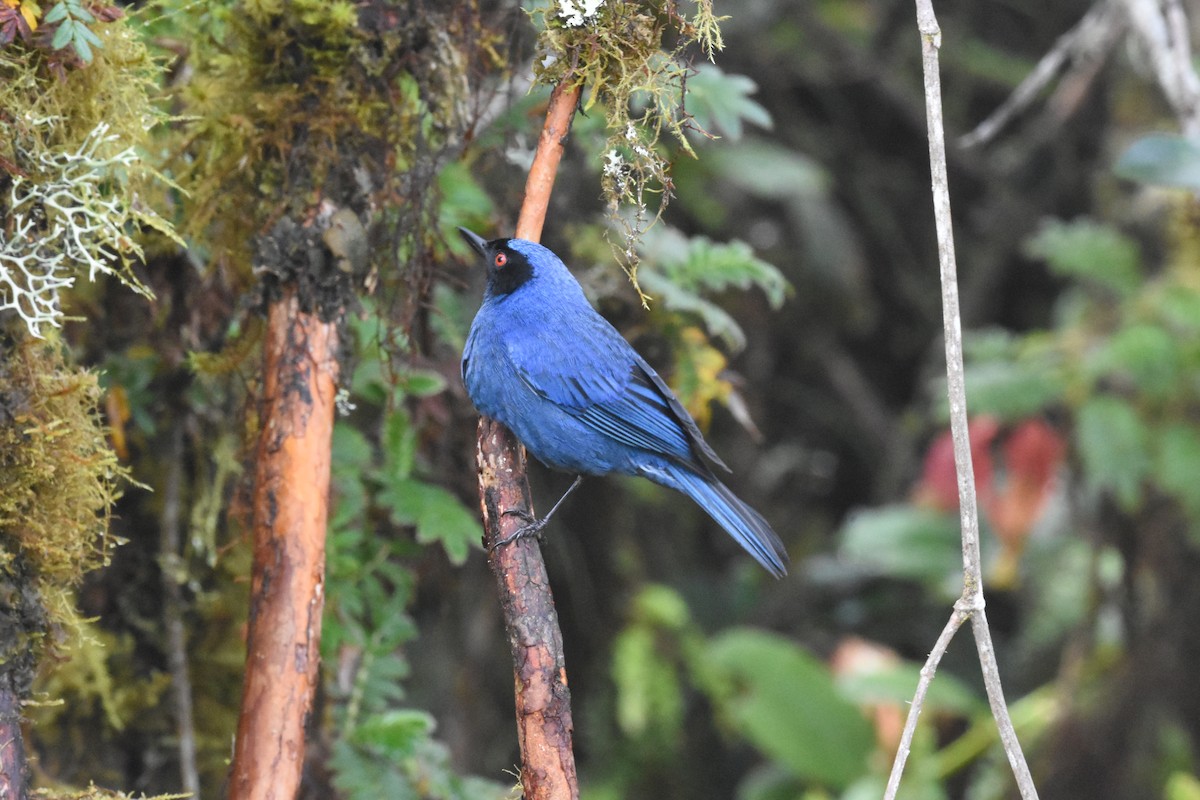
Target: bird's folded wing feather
x: 605, y: 384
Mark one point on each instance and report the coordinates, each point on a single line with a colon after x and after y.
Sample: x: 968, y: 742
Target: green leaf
x: 648, y: 696
x: 1010, y: 390
x: 1147, y: 355
x: 1179, y: 307
x: 81, y: 46
x: 399, y: 445
x: 436, y: 513
x: 367, y: 381
x: 1182, y: 786
x: 720, y: 103
x: 450, y: 319
x: 463, y: 202
x: 358, y: 774
x: 84, y: 32
x: 1165, y: 159
x: 1008, y: 376
x: 896, y: 684
x: 716, y: 267
x: 352, y: 458
x: 680, y: 271
x: 347, y: 513
x: 1089, y: 251
x: 1113, y: 446
x: 421, y: 383
x: 683, y: 301
x: 395, y: 732
x: 63, y: 36
x: 772, y: 782
x: 768, y: 170
x: 663, y: 607
x: 351, y: 450
x: 904, y: 541
x: 921, y: 780
x: 56, y: 14
x: 1177, y: 464
x: 783, y: 700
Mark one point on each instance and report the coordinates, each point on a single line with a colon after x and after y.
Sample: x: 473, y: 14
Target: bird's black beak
x: 475, y: 240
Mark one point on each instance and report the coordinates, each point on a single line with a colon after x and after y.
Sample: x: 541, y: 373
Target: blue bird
x: 541, y: 360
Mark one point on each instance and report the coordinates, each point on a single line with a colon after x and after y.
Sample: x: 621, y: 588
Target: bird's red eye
x: 501, y: 259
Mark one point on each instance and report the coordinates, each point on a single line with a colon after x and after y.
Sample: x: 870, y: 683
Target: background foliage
x: 793, y: 303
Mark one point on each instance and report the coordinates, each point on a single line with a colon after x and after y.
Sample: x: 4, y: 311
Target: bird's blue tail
x: 741, y: 521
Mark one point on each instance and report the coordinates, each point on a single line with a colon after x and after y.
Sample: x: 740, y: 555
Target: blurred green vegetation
x: 793, y: 304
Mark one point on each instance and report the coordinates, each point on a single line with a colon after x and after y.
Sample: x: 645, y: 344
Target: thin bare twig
x: 171, y: 565
x: 971, y: 602
x: 1090, y: 40
x: 995, y: 693
x: 1163, y: 28
x: 910, y: 724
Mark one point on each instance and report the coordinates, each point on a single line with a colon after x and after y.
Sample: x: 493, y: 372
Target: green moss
x: 96, y: 793
x: 312, y: 100
x: 619, y: 56
x: 58, y: 475
x: 117, y: 89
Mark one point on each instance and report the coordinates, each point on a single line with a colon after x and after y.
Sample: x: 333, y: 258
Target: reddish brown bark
x: 543, y: 701
x: 540, y: 182
x: 287, y: 590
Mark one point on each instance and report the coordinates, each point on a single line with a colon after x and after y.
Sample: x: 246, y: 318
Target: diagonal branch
x: 970, y: 604
x: 1164, y: 31
x: 543, y: 701
x: 1089, y: 41
x: 910, y: 724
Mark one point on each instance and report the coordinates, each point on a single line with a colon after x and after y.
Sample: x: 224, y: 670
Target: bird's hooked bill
x: 475, y: 240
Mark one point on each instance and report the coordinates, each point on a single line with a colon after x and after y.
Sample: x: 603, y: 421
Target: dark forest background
x: 795, y: 308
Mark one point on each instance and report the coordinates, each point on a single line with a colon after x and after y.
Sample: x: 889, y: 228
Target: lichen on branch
x: 66, y: 218
x: 74, y: 191
x: 633, y: 59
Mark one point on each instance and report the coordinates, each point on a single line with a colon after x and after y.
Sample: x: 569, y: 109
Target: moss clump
x: 59, y: 479
x: 313, y: 102
x: 631, y: 56
x: 58, y: 475
x: 96, y: 793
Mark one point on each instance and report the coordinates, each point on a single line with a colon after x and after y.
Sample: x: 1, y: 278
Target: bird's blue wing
x: 605, y: 384
x: 649, y: 416
x: 639, y: 416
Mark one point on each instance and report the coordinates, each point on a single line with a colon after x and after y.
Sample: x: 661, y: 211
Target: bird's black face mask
x: 507, y: 269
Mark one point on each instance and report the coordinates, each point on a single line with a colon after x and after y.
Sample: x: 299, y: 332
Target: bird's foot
x: 532, y: 527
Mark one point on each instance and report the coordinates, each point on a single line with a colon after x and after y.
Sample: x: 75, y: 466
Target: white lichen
x: 614, y: 164
x: 66, y: 215
x: 30, y: 281
x: 576, y: 13
x: 342, y: 402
